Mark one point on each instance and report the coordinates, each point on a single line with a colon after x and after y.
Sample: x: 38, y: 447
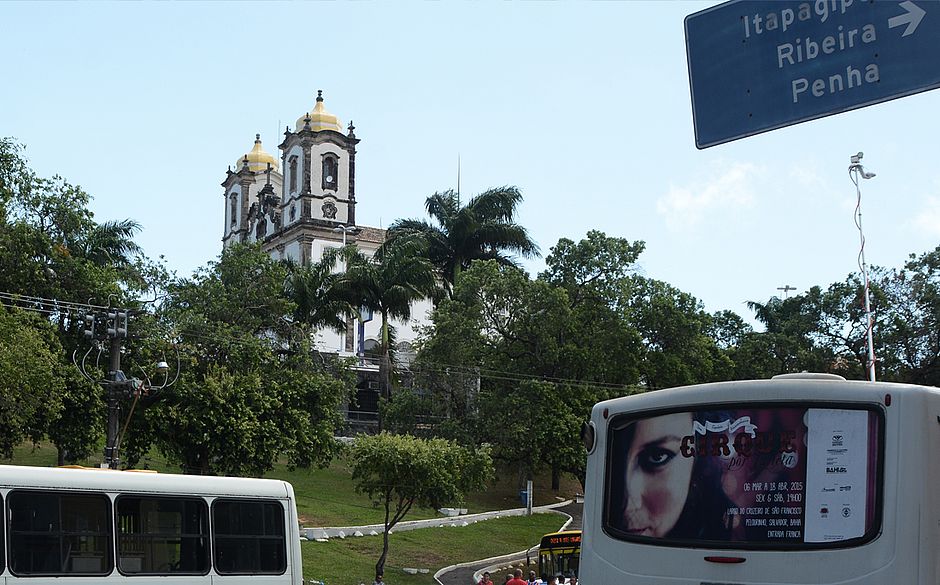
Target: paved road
x: 464, y: 575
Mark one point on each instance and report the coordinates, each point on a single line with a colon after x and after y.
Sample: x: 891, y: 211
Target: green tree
x: 483, y: 229
x: 51, y: 248
x: 676, y: 336
x: 316, y: 292
x: 908, y: 333
x: 519, y: 335
x: 389, y: 282
x: 400, y: 471
x: 243, y: 398
x: 595, y: 268
x: 791, y: 340
x: 31, y: 378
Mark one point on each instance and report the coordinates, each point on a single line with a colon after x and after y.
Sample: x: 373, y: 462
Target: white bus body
x: 803, y: 479
x: 64, y: 526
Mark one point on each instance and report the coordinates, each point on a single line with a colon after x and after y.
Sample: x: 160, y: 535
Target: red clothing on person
x: 517, y: 581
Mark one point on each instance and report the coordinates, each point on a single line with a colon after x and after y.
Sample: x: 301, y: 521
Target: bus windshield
x: 559, y: 553
x: 764, y: 476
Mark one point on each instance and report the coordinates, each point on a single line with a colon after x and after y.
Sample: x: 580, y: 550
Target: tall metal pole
x: 856, y: 171
x: 868, y: 319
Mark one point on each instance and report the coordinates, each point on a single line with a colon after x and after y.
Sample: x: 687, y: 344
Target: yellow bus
x: 559, y: 554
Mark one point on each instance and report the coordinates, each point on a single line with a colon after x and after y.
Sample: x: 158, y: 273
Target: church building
x: 304, y: 204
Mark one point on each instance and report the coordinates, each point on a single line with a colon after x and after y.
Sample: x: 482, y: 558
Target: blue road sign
x: 757, y: 65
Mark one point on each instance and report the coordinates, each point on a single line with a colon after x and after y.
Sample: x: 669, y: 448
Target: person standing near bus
x: 485, y: 579
x: 533, y: 579
x: 517, y: 578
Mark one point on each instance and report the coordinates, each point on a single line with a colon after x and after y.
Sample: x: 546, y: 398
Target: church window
x: 330, y: 170
x: 293, y: 174
x: 233, y: 209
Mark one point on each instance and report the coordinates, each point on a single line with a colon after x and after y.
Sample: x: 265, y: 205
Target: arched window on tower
x: 330, y: 170
x: 233, y: 209
x: 293, y: 173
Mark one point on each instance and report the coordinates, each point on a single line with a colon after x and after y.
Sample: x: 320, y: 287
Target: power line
x: 60, y: 304
x: 436, y: 367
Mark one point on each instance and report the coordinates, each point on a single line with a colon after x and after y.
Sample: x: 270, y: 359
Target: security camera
x: 857, y: 158
x: 867, y: 175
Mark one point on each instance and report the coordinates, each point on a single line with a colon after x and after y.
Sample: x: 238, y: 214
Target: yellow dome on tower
x: 258, y: 159
x: 320, y: 119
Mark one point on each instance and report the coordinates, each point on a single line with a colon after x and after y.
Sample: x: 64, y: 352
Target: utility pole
x: 115, y: 385
x: 112, y: 326
x: 115, y: 378
x: 786, y: 289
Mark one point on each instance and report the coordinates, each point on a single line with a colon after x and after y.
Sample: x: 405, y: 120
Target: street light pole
x: 856, y: 171
x: 345, y: 229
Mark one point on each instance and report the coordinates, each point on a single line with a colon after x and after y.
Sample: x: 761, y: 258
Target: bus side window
x: 54, y: 533
x: 248, y: 537
x: 163, y: 535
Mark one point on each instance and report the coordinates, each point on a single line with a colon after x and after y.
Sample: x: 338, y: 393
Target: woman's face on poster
x: 657, y: 476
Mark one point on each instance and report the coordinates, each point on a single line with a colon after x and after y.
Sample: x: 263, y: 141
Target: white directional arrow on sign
x: 912, y: 18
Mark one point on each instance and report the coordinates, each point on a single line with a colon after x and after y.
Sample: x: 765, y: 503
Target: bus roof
x: 800, y: 387
x: 109, y: 480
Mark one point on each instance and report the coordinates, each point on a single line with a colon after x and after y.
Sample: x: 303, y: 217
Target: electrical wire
x: 435, y: 367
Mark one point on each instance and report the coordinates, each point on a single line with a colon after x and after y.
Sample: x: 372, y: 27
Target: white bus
x: 64, y: 526
x: 805, y: 478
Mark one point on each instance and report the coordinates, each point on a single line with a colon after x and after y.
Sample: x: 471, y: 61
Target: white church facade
x: 304, y: 204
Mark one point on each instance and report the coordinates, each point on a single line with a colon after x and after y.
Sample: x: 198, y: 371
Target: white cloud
x: 730, y: 185
x: 808, y: 177
x: 927, y: 221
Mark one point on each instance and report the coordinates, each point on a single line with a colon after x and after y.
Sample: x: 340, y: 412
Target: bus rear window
x: 768, y: 476
x: 249, y: 537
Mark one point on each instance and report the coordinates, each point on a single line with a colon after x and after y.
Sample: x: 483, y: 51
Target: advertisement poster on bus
x: 757, y: 476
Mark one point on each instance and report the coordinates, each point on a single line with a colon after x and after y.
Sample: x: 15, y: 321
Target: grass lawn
x: 352, y: 561
x: 327, y: 497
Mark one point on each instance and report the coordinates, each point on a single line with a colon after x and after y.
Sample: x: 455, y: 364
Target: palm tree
x: 483, y: 229
x: 111, y: 243
x: 388, y: 283
x: 319, y: 299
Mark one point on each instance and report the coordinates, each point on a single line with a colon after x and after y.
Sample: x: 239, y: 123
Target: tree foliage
x: 908, y: 333
x: 482, y: 229
x: 244, y: 397
x: 400, y: 471
x: 31, y: 379
x: 52, y: 248
x: 318, y: 297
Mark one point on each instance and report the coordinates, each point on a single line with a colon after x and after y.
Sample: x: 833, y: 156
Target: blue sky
x: 584, y: 106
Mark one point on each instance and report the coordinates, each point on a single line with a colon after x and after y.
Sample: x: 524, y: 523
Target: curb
x: 376, y: 529
x: 496, y: 562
